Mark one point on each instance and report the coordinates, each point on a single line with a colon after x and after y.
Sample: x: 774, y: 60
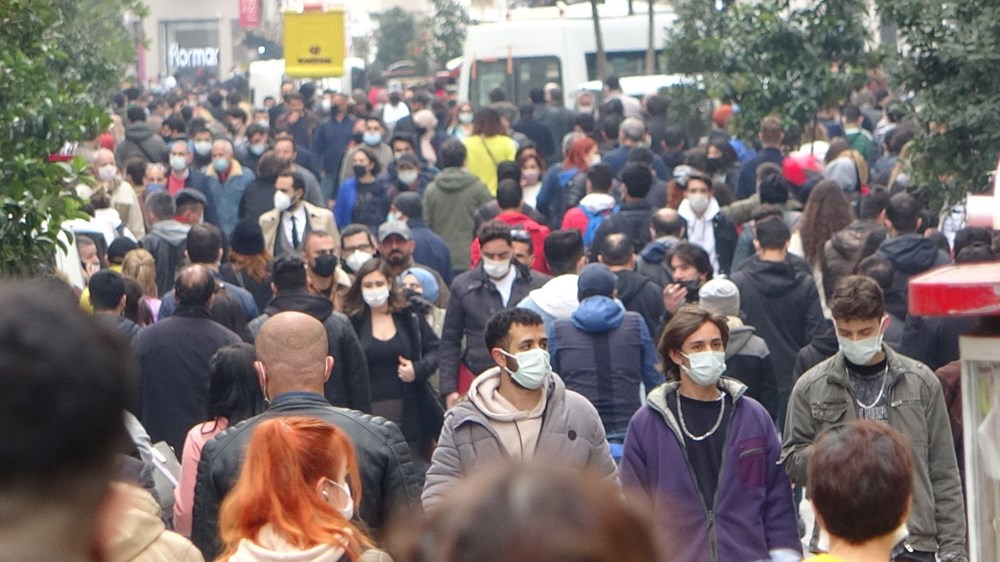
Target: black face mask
x: 692, y: 288
x: 359, y: 170
x: 334, y: 110
x: 714, y: 164
x: 325, y: 265
x: 394, y: 98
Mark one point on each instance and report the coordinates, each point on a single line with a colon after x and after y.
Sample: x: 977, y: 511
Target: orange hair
x: 277, y: 485
x: 576, y: 157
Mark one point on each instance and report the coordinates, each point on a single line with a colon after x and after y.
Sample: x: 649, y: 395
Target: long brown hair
x: 255, y: 265
x: 277, y: 487
x: 688, y: 320
x: 826, y: 213
x: 354, y: 303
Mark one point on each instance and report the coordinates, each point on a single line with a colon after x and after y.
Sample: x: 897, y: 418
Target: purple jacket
x: 753, y: 512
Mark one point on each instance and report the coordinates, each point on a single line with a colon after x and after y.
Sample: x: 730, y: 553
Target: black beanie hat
x: 247, y: 239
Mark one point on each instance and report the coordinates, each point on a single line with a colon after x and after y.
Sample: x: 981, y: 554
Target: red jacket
x: 538, y: 232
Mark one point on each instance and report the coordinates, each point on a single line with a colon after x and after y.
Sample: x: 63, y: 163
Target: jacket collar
x: 838, y: 368
x: 657, y: 399
x: 466, y: 411
x: 235, y: 170
x: 296, y: 400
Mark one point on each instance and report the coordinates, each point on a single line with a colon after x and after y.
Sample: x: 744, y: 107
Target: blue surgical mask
x: 258, y: 149
x: 706, y: 367
x: 220, y: 164
x: 372, y: 139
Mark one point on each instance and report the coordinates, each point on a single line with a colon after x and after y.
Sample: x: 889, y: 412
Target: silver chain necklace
x: 718, y: 422
x: 881, y: 391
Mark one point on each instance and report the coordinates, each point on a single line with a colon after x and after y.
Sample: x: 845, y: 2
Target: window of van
x: 528, y: 73
x: 623, y: 63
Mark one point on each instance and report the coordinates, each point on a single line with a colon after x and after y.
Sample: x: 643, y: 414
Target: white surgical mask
x: 348, y: 509
x: 533, y: 368
x: 357, y: 259
x: 178, y: 163
x: 326, y: 105
x: 107, y: 172
x: 706, y: 367
x: 466, y: 117
x: 861, y: 352
x: 698, y: 202
x: 595, y: 159
x: 496, y: 269
x: 408, y: 176
x: 203, y: 147
x: 375, y: 297
x: 282, y: 202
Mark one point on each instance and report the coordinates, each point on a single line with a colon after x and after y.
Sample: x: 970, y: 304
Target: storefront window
x: 191, y: 48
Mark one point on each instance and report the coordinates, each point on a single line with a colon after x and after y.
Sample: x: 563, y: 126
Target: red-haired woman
x: 565, y: 184
x: 295, y: 497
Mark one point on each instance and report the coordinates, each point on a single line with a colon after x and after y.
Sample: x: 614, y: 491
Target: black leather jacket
x: 389, y: 480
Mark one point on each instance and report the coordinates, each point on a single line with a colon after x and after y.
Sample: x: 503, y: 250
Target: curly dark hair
x: 827, y: 212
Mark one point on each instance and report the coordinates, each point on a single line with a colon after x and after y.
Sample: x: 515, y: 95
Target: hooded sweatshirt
x: 592, y: 205
x: 450, y: 205
x: 910, y: 254
x: 166, y: 241
x: 269, y: 546
x: 844, y: 172
x: 140, y: 141
x: 843, y: 251
x: 518, y: 429
x: 700, y: 230
x: 554, y: 300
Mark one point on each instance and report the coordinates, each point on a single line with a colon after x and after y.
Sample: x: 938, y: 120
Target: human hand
x: 450, y: 399
x: 405, y: 370
x: 674, y: 296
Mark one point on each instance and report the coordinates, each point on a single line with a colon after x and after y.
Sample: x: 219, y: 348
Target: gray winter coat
x: 572, y: 434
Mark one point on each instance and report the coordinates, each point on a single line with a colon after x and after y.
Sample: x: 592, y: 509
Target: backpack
x: 594, y: 220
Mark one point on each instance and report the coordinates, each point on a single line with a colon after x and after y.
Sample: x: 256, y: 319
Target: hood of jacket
x: 739, y: 337
x: 657, y: 250
x: 139, y: 526
x: 826, y: 342
x: 301, y: 301
x: 598, y: 314
x: 598, y: 202
x: 138, y: 132
x: 557, y: 297
x: 910, y: 253
x: 516, y: 218
x: 773, y: 278
x: 851, y: 240
x: 685, y: 211
x: 630, y: 283
x: 268, y: 546
x: 452, y: 180
x: 174, y: 232
x: 657, y: 399
x: 483, y: 394
x: 844, y: 172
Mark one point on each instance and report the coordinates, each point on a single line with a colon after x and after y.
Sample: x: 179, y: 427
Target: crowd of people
x: 389, y: 324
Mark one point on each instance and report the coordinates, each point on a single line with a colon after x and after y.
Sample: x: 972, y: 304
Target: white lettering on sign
x: 193, y: 58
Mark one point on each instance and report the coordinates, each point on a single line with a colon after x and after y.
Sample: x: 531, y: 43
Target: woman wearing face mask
x: 532, y: 171
x: 402, y: 353
x: 706, y: 455
x: 422, y: 289
x: 296, y: 497
x: 461, y: 123
x: 362, y: 198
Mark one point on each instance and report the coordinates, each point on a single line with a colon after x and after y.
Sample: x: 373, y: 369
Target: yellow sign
x: 314, y: 44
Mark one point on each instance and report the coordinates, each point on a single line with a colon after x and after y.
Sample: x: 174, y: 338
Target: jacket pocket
x: 751, y: 458
x: 828, y: 412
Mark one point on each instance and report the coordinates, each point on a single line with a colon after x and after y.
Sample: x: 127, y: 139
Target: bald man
x: 292, y: 365
x: 667, y: 228
x: 123, y: 197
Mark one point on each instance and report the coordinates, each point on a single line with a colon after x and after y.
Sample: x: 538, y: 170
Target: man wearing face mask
x: 256, y: 145
x: 497, y: 282
x: 123, y: 197
x: 326, y: 276
x: 396, y: 245
x: 503, y: 417
x: 357, y: 246
x: 202, y: 140
x: 705, y: 454
x: 334, y: 136
x: 866, y: 379
x: 706, y: 225
x: 373, y: 137
x: 227, y: 182
x: 286, y: 225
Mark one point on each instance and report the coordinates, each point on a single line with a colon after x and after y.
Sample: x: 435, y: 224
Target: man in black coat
x: 174, y: 356
x: 633, y: 216
x: 637, y: 292
x: 429, y: 248
x: 348, y: 387
x: 771, y: 134
x: 292, y: 366
x: 782, y: 304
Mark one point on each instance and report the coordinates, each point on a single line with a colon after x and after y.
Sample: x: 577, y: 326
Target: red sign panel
x: 249, y: 13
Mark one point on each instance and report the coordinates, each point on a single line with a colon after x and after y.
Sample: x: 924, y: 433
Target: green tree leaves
x: 59, y: 62
x: 447, y: 31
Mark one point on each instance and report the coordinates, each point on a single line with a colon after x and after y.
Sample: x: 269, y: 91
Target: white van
x: 522, y: 54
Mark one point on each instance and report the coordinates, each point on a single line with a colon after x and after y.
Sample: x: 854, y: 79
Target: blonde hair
x: 140, y: 266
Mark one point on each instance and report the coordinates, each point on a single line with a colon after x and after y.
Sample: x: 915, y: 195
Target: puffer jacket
x: 571, y: 434
x: 474, y: 299
x: 822, y: 398
x: 842, y: 252
x: 653, y: 261
x: 388, y: 477
x: 141, y: 535
x: 748, y: 360
x: 753, y: 513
